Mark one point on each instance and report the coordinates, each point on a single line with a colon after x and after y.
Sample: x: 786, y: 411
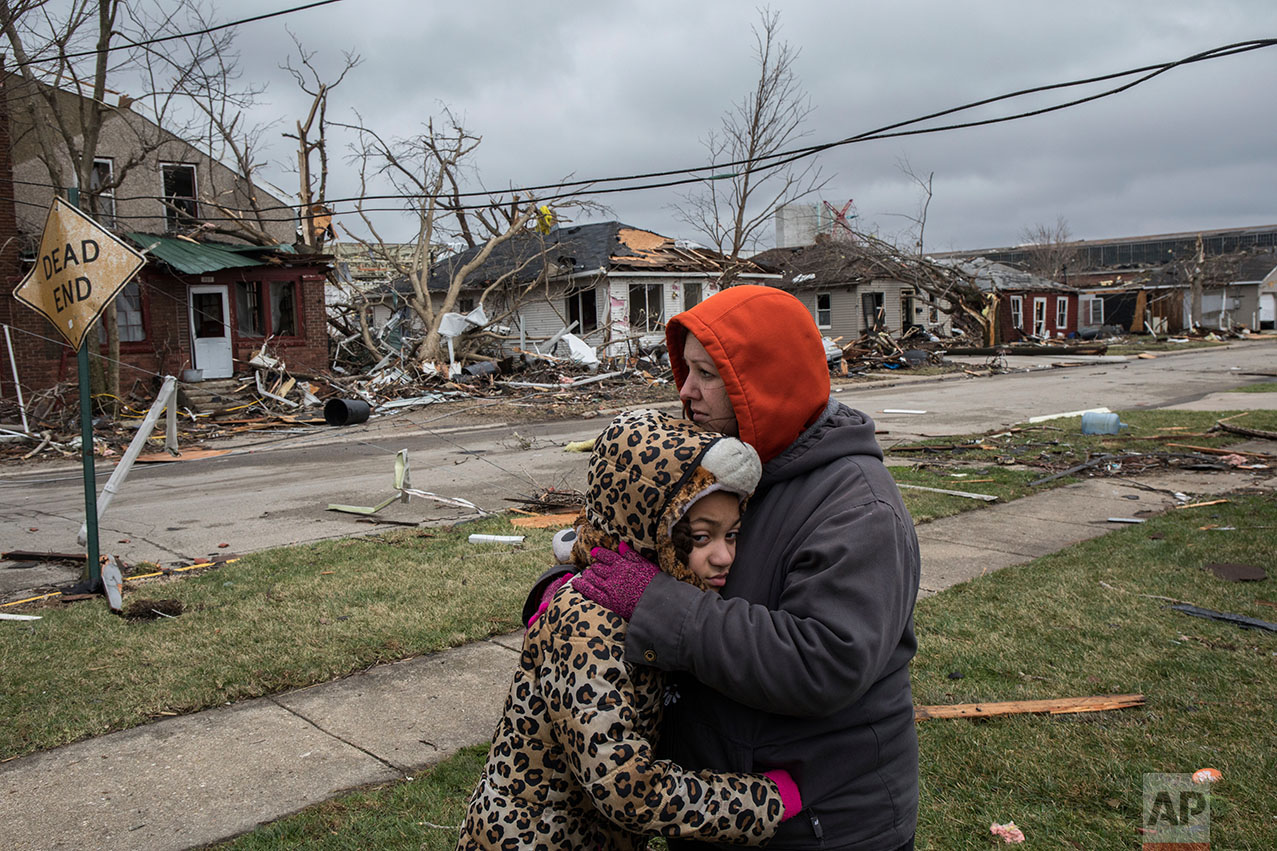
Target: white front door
x: 211, y: 330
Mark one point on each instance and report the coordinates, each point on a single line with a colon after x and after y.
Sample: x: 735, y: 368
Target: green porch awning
x: 194, y: 258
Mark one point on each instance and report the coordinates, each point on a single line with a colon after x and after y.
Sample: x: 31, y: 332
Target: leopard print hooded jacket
x: 571, y: 764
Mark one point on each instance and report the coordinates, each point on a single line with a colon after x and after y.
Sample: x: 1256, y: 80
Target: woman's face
x: 714, y: 522
x: 703, y: 393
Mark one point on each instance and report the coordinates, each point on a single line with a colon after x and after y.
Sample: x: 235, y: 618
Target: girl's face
x: 714, y: 520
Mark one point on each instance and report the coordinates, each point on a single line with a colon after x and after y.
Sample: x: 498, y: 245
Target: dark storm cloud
x: 591, y: 89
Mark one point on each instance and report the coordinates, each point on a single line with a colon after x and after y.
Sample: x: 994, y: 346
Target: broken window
x: 581, y: 309
x: 130, y: 320
x: 691, y: 294
x: 180, y: 207
x: 248, y: 309
x: 1095, y: 312
x: 266, y: 309
x: 824, y: 310
x: 1017, y: 311
x: 103, y: 171
x: 283, y: 308
x: 646, y: 312
x: 465, y: 304
x: 873, y: 309
x: 1061, y: 312
x: 1039, y: 317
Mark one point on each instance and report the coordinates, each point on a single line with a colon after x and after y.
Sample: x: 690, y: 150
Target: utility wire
x: 83, y: 53
x: 771, y: 161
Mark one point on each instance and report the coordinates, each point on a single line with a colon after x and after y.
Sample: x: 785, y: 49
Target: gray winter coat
x: 803, y: 662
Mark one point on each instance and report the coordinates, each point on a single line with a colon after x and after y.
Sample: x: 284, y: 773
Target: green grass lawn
x: 1085, y: 621
x: 296, y: 616
x: 273, y: 621
x: 1257, y: 387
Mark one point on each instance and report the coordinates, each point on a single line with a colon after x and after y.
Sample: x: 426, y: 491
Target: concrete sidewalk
x: 207, y: 777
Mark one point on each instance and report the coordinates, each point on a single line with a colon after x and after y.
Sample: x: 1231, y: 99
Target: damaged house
x: 205, y: 300
x: 613, y: 285
x: 1027, y: 305
x: 852, y: 288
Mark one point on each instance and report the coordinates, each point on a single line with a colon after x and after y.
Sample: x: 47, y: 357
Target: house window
x: 581, y: 309
x: 1061, y: 312
x: 248, y: 309
x: 824, y: 310
x: 465, y: 305
x: 102, y: 176
x: 872, y: 309
x: 691, y: 294
x: 266, y: 309
x: 180, y: 207
x: 1095, y: 312
x: 1017, y: 311
x: 129, y: 317
x: 646, y: 313
x: 1039, y: 317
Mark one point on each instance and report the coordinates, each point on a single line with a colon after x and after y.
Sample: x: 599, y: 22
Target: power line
x: 83, y: 53
x: 685, y: 176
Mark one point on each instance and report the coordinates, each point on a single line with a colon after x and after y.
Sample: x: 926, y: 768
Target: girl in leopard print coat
x: 571, y: 764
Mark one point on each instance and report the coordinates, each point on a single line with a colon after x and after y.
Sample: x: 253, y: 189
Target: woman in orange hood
x: 804, y: 659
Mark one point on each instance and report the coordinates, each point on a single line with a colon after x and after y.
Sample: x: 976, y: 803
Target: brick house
x: 1028, y: 305
x: 197, y: 303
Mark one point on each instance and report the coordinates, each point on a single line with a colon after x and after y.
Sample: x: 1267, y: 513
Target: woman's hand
x: 616, y: 580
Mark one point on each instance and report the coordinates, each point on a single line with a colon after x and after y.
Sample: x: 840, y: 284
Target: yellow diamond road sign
x: 81, y: 267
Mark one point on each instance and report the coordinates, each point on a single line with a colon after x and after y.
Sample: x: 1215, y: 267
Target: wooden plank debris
x: 1056, y: 706
x: 544, y: 521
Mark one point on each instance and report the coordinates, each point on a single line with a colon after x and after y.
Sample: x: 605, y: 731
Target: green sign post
x: 80, y: 269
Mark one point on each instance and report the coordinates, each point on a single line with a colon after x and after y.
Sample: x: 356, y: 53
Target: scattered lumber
x: 1057, y: 706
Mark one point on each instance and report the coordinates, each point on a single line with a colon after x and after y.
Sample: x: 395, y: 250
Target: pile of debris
x: 270, y: 397
x: 880, y: 350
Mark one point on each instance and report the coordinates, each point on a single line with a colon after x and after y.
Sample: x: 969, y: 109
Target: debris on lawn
x: 544, y: 521
x: 551, y: 501
x: 1207, y: 775
x: 496, y: 539
x: 968, y: 495
x: 1008, y: 832
x: 1226, y: 617
x: 1232, y: 572
x: 149, y: 610
x: 1056, y: 706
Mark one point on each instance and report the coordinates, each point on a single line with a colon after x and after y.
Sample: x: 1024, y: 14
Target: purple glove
x: 548, y: 596
x: 616, y: 580
x: 788, y: 792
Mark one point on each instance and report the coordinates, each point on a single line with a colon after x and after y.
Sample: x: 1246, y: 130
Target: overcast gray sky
x: 598, y: 88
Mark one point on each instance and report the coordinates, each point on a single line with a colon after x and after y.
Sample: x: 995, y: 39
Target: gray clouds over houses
x: 596, y: 89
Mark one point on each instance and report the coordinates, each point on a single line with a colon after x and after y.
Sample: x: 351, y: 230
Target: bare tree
x: 1050, y: 249
x: 426, y: 170
x: 731, y: 210
x: 65, y: 57
x: 312, y: 138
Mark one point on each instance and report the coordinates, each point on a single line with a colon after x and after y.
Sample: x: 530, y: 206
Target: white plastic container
x: 496, y: 539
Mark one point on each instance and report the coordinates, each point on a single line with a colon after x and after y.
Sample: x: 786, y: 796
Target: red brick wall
x: 1007, y: 333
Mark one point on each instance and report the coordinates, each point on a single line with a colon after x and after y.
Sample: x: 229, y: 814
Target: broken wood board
x: 185, y: 455
x: 544, y: 521
x: 983, y: 496
x: 1202, y: 504
x: 1056, y: 706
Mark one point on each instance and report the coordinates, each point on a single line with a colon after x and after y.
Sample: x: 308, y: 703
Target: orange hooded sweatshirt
x: 770, y: 356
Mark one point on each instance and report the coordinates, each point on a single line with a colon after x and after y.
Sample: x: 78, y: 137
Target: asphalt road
x: 277, y: 494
